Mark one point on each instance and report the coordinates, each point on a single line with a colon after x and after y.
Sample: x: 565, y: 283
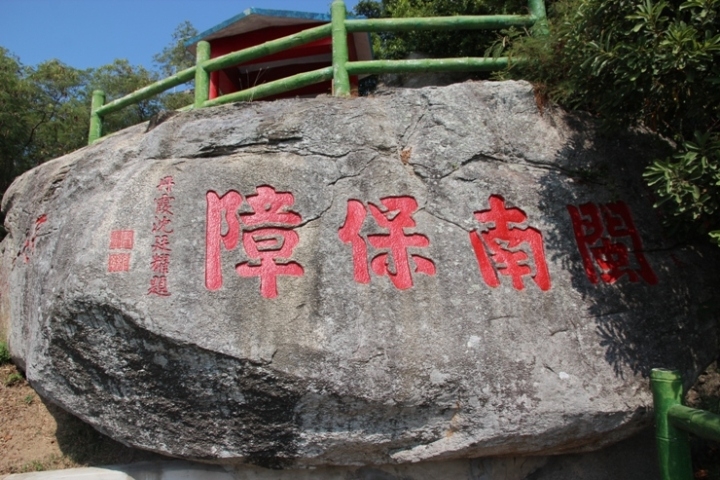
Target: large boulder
x: 431, y: 274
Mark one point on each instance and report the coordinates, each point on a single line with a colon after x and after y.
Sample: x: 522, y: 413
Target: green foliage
x: 4, y: 353
x: 689, y: 182
x: 45, y: 109
x: 173, y: 59
x: 15, y: 124
x: 642, y: 62
x: 117, y: 80
x: 57, y: 111
x: 368, y: 9
x: 438, y: 44
x: 13, y: 379
x: 175, y: 56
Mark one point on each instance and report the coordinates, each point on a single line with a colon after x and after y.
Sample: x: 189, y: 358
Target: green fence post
x: 98, y: 99
x: 341, y: 80
x: 537, y: 10
x: 672, y: 444
x: 202, y: 76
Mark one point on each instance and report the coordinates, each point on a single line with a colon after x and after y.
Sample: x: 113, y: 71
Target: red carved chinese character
x: 161, y: 224
x: 219, y: 209
x: 160, y: 263
x: 121, y: 239
x: 271, y: 244
x: 350, y: 233
x: 119, y: 262
x: 28, y: 247
x: 166, y: 184
x: 504, y: 246
x: 163, y: 204
x: 158, y: 286
x: 270, y: 207
x: 161, y: 243
x: 608, y: 252
x: 266, y: 234
x: 396, y: 217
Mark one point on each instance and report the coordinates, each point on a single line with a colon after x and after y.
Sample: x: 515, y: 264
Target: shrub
x: 13, y: 379
x: 4, y: 353
x: 650, y: 63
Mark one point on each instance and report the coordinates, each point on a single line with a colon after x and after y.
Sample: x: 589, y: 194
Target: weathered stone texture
x: 333, y: 371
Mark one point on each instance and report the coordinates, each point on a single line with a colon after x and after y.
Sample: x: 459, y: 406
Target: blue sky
x: 92, y: 33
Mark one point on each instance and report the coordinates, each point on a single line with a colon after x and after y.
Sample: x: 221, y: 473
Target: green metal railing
x: 341, y: 69
x: 673, y: 420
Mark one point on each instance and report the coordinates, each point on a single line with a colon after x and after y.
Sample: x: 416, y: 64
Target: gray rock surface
x: 370, y: 281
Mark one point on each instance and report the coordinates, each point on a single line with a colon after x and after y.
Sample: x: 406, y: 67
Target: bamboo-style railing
x: 341, y: 68
x: 672, y: 423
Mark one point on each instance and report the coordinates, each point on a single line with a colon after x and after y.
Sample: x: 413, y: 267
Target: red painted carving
x: 220, y: 209
x: 163, y: 204
x: 267, y: 236
x: 267, y: 246
x: 505, y: 245
x: 122, y: 239
x: 606, y: 236
x: 161, y: 243
x: 28, y: 247
x: 270, y: 207
x: 119, y: 262
x: 394, y: 216
x: 162, y: 225
x: 158, y: 286
x: 160, y: 261
x: 166, y: 184
x: 350, y: 233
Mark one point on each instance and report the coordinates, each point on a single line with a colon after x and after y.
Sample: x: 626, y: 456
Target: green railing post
x: 672, y: 444
x: 537, y: 10
x: 202, y: 76
x: 341, y: 69
x: 341, y: 79
x: 98, y: 99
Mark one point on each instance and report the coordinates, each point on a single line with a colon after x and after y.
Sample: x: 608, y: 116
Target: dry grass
x: 35, y: 435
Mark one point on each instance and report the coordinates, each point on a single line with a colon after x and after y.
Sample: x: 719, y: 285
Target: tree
x: 117, y: 80
x: 57, y: 111
x: 438, y: 44
x: 655, y: 64
x: 173, y: 59
x: 14, y: 122
x: 41, y: 113
x: 45, y: 109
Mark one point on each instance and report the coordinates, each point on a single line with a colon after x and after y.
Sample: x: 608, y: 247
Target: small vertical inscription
x: 162, y: 232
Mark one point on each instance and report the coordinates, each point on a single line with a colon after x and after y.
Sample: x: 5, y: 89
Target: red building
x: 255, y: 26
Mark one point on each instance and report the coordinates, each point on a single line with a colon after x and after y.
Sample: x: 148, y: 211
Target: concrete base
x: 171, y: 470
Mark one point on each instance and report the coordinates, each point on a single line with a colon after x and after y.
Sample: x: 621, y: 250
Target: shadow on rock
x: 651, y: 296
x: 84, y: 445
